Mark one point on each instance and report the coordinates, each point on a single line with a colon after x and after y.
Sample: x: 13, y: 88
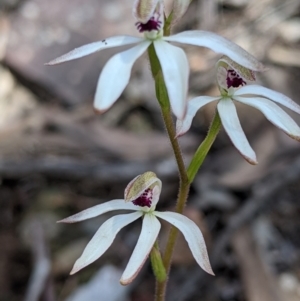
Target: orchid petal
x: 143, y: 10
x: 274, y: 114
x: 175, y: 68
x: 98, y: 210
x: 155, y: 196
x: 149, y: 233
x: 139, y: 184
x: 219, y: 45
x: 193, y: 236
x: 232, y: 126
x: 115, y: 76
x: 273, y: 95
x: 103, y: 239
x: 195, y: 104
x: 94, y: 47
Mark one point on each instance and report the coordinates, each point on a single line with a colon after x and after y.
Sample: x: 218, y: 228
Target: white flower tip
x: 74, y: 270
x: 179, y: 128
x: 99, y: 111
x: 64, y: 220
x: 131, y: 276
x: 205, y: 264
x: 80, y: 263
x: 296, y: 137
x: 250, y: 158
x: 67, y: 220
x: 179, y: 134
x: 125, y: 282
x: 208, y: 269
x: 57, y: 61
x: 252, y: 161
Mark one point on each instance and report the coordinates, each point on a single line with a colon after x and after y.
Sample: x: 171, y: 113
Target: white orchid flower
x: 141, y: 196
x: 116, y: 73
x: 232, y: 81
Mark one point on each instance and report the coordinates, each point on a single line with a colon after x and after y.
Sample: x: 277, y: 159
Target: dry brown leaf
x: 258, y: 281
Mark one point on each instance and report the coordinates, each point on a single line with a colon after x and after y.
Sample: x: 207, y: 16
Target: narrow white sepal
x: 94, y: 47
x: 103, y: 239
x: 192, y: 235
x: 115, y: 76
x: 195, y: 104
x: 175, y: 68
x: 98, y: 210
x: 149, y: 233
x: 232, y: 126
x: 268, y: 93
x: 274, y: 114
x: 143, y: 10
x: 219, y: 45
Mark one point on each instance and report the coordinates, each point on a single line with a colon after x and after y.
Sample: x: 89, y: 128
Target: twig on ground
x: 42, y: 262
x: 71, y: 169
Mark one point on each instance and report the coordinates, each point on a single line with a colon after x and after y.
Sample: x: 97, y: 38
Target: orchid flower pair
x: 150, y: 15
x: 234, y: 71
x: 232, y: 81
x: 141, y: 196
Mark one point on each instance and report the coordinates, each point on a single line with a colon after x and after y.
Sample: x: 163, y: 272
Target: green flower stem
x: 184, y: 186
x: 163, y: 99
x: 186, y: 177
x: 167, y: 257
x: 192, y: 170
x: 204, y: 148
x: 167, y: 117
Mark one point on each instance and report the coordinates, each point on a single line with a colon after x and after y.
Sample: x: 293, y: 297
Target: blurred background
x: 58, y: 157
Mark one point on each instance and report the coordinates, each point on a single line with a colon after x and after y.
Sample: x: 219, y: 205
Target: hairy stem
x: 186, y: 177
x: 163, y: 99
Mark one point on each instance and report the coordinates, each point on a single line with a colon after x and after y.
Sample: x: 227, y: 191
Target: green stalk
x: 184, y: 186
x: 186, y: 177
x: 204, y: 148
